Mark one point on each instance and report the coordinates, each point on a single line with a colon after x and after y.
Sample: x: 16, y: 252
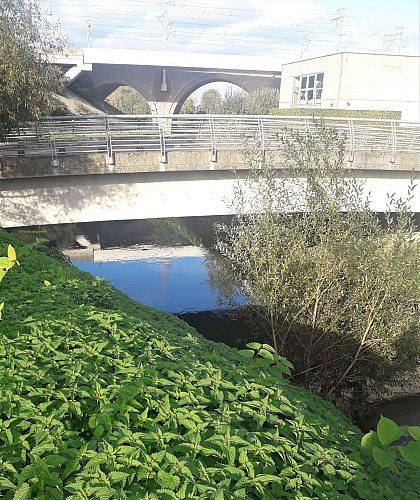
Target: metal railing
x: 80, y: 135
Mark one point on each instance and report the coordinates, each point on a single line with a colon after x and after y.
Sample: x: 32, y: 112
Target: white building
x: 354, y: 81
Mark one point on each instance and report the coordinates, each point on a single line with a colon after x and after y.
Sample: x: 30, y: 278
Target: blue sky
x: 285, y: 29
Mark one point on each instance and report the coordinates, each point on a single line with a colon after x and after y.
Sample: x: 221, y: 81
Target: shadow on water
x: 221, y: 325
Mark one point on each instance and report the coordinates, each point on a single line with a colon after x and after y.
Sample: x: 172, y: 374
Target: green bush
x: 101, y: 398
x: 338, y: 113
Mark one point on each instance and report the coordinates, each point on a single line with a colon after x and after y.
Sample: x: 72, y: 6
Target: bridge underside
x: 124, y: 196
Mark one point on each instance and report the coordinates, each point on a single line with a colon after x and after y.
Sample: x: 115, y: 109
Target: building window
x: 307, y: 89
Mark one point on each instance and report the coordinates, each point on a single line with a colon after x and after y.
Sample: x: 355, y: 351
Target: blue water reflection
x: 171, y: 284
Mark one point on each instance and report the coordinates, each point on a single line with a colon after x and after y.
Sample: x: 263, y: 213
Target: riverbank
x: 104, y: 396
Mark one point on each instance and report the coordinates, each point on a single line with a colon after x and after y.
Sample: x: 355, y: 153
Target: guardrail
x: 80, y: 135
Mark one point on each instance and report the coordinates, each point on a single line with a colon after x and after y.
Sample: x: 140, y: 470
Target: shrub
x: 336, y: 291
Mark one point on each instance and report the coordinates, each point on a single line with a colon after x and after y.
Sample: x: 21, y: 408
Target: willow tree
x: 336, y: 291
x: 27, y: 41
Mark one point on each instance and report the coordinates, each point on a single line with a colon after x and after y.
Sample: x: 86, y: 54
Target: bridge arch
x: 102, y: 87
x: 199, y: 82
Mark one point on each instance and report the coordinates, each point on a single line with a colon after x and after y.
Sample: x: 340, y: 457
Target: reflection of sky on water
x: 172, y: 285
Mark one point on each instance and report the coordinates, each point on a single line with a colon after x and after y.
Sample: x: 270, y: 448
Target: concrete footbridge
x: 164, y: 79
x: 92, y: 168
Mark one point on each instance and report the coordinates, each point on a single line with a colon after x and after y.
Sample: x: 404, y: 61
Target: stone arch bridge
x: 164, y: 79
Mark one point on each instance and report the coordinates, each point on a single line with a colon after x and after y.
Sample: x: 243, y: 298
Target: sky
x: 288, y: 30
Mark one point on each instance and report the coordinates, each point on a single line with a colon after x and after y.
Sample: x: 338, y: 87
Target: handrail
x: 113, y: 134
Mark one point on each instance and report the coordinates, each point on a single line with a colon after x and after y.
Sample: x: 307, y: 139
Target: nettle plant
x: 265, y: 356
x: 101, y: 398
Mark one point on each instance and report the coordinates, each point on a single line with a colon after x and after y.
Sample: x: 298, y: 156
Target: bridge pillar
x: 162, y: 107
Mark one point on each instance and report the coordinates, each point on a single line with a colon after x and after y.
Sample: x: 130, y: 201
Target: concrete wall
x: 181, y: 161
x: 361, y: 81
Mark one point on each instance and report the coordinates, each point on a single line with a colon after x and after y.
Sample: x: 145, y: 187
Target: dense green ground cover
x: 101, y: 397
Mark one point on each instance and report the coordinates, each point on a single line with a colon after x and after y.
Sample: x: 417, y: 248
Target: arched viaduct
x: 165, y: 79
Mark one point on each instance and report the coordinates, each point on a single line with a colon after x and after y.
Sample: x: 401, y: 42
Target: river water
x: 162, y: 264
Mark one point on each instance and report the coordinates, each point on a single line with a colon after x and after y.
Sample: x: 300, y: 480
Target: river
x: 162, y: 264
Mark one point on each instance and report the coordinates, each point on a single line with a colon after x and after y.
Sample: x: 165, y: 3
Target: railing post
x: 261, y: 133
x: 54, y: 158
x: 110, y: 154
x: 163, y: 156
x: 352, y: 141
x: 307, y: 128
x: 393, y: 141
x: 213, y: 157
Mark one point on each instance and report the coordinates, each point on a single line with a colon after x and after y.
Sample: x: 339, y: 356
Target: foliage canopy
x: 26, y: 80
x: 239, y: 102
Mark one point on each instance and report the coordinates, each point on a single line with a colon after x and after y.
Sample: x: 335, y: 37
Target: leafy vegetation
x: 338, y: 113
x: 336, y: 292
x: 384, y: 444
x: 239, y: 102
x: 26, y: 42
x: 101, y: 398
x: 128, y: 101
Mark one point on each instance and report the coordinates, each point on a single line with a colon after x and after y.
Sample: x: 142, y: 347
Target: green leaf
x: 282, y: 368
x: 217, y: 495
x: 53, y: 493
x: 168, y: 481
x: 369, y: 441
x: 6, y: 484
x: 99, y: 458
x: 71, y: 466
x: 23, y: 492
x: 102, y: 493
x: 11, y: 254
x: 5, y: 263
x: 268, y: 347
x: 411, y: 452
x: 54, y: 460
x: 206, y: 382
x: 264, y: 363
x: 117, y: 476
x: 286, y: 362
x: 384, y: 458
x: 99, y: 430
x: 41, y: 448
x: 267, y: 478
x: 266, y: 355
x: 388, y: 431
x: 414, y: 432
x: 329, y: 470
x: 254, y: 345
x: 231, y: 454
x: 247, y: 353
